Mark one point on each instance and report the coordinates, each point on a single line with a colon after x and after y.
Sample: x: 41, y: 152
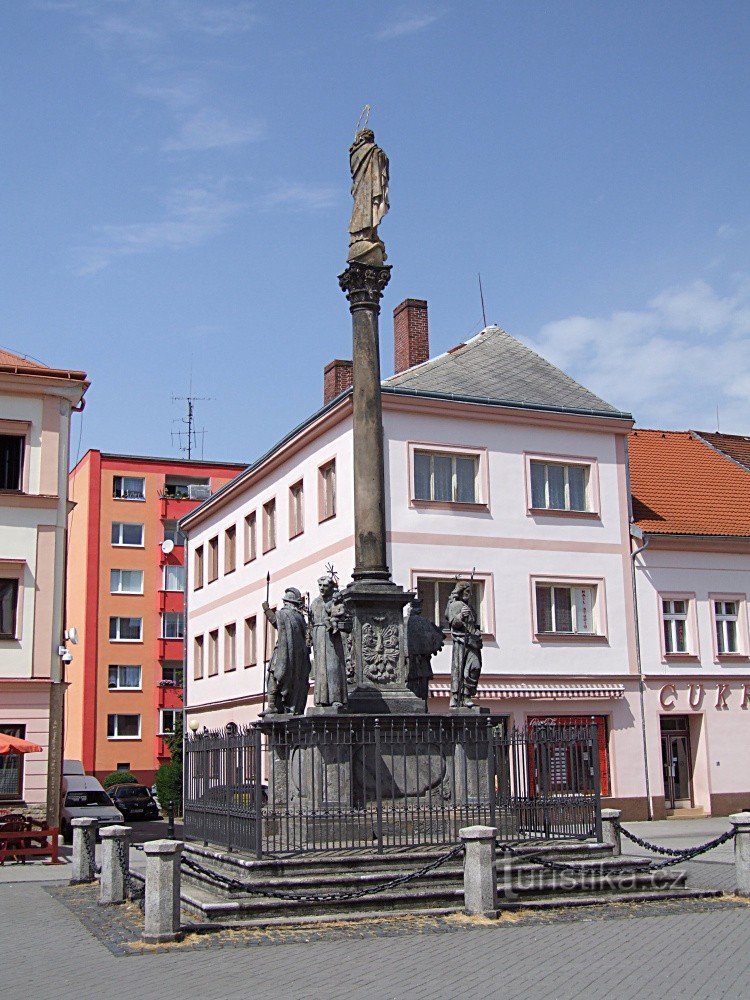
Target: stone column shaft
x: 162, y: 907
x: 84, y: 847
x: 480, y: 877
x: 741, y: 822
x: 610, y: 832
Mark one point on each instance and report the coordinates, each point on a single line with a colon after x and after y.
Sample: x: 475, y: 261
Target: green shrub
x: 119, y: 778
x: 169, y: 784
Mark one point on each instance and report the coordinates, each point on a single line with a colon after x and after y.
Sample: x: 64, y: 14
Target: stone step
x: 202, y: 900
x: 562, y: 900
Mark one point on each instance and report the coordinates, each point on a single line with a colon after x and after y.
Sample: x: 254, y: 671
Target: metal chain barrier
x: 91, y: 854
x: 135, y: 890
x: 236, y: 885
x: 674, y: 857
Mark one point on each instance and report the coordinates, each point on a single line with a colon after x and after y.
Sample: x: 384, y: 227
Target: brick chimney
x: 337, y: 376
x: 410, y: 334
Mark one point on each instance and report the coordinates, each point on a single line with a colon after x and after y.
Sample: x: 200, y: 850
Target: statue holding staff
x: 289, y: 670
x: 466, y: 665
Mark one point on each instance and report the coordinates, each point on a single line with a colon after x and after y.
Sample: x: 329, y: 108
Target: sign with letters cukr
x: 696, y: 695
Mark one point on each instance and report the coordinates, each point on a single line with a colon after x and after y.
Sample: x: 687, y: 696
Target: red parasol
x: 14, y: 744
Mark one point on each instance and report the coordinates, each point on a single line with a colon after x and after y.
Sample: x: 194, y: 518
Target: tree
x: 168, y: 778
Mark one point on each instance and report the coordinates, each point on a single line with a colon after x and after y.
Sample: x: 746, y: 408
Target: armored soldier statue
x: 467, y: 646
x: 289, y: 670
x: 329, y: 623
x: 423, y: 640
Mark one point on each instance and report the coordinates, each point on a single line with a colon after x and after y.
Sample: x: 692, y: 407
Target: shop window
x: 562, y: 765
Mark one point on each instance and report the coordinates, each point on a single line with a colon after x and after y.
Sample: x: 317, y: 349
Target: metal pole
x: 378, y: 789
x: 265, y: 641
x: 170, y: 820
x: 257, y: 768
x: 595, y: 770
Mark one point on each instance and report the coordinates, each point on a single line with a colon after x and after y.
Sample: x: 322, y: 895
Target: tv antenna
x: 185, y: 435
x: 481, y: 296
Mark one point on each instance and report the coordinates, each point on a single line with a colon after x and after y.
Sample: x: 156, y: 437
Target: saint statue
x: 369, y: 166
x: 330, y: 624
x: 467, y: 646
x: 423, y: 640
x: 289, y: 670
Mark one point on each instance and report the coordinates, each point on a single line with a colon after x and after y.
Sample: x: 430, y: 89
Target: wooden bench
x: 22, y: 837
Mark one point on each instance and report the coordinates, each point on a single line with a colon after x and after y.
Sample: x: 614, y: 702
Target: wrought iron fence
x: 322, y: 783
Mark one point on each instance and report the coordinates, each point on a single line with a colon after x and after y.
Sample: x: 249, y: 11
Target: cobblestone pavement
x: 699, y: 951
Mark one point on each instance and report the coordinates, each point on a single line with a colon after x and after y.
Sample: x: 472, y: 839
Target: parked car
x: 241, y: 795
x: 134, y: 801
x: 83, y: 796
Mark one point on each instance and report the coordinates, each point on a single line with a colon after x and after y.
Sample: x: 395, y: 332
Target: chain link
x: 236, y: 885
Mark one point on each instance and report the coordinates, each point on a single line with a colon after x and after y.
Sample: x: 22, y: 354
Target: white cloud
x: 208, y: 129
x: 192, y: 216
x: 302, y: 197
x: 408, y: 23
x: 670, y: 364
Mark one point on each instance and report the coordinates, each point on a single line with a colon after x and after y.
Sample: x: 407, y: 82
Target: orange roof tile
x: 735, y: 445
x: 683, y: 486
x: 9, y: 358
x: 17, y: 364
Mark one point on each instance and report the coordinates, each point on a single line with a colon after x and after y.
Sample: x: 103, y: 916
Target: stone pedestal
x: 115, y: 864
x: 480, y: 877
x: 84, y: 848
x: 162, y: 907
x: 610, y: 831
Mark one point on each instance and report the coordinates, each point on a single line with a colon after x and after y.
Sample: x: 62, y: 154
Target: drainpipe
x: 637, y: 534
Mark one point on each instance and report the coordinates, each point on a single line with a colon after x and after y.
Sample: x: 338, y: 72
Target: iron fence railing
x: 360, y: 782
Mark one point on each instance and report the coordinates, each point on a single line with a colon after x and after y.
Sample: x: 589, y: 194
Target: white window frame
x: 128, y: 545
x: 174, y: 712
x: 138, y: 495
x: 587, y: 462
x: 124, y: 687
x: 598, y: 610
x: 740, y: 600
x: 162, y: 623
x: 485, y: 585
x: 173, y: 590
x: 118, y: 619
x: 116, y: 716
x: 481, y: 479
x: 691, y: 625
x: 119, y: 590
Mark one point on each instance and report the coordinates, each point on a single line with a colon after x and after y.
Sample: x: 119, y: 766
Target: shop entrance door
x: 676, y: 762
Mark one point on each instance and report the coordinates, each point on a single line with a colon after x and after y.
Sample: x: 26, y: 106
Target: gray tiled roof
x: 496, y: 367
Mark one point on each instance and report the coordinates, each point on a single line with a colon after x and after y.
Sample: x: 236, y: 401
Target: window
x: 198, y: 568
x: 213, y: 653
x: 124, y: 766
x: 327, y: 490
x: 675, y: 615
x: 561, y: 765
x: 565, y: 610
x: 230, y: 549
x: 128, y: 488
x: 186, y: 488
x: 172, y: 672
x: 726, y: 617
x: 230, y: 647
x: 167, y: 720
x: 11, y: 461
x: 123, y: 727
x: 126, y: 581
x: 434, y: 594
x: 172, y: 533
x: 11, y: 765
x: 8, y: 608
x: 213, y: 559
x: 172, y: 625
x: 250, y: 545
x: 124, y: 677
x: 127, y: 534
x: 251, y: 655
x: 450, y: 478
x: 296, y: 510
x: 198, y: 657
x: 555, y: 486
x: 174, y: 577
x: 269, y: 525
x: 125, y: 629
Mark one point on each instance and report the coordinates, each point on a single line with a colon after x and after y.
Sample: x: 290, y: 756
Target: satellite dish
x: 72, y: 635
x: 167, y: 545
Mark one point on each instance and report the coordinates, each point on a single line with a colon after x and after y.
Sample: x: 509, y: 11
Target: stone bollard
x: 113, y: 883
x: 610, y: 833
x: 84, y: 850
x: 162, y: 910
x: 741, y: 823
x: 480, y: 877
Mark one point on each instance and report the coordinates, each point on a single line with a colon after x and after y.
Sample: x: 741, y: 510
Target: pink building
x: 495, y: 461
x: 691, y: 499
x: 36, y: 403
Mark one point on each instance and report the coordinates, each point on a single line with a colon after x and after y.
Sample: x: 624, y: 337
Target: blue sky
x: 175, y: 195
